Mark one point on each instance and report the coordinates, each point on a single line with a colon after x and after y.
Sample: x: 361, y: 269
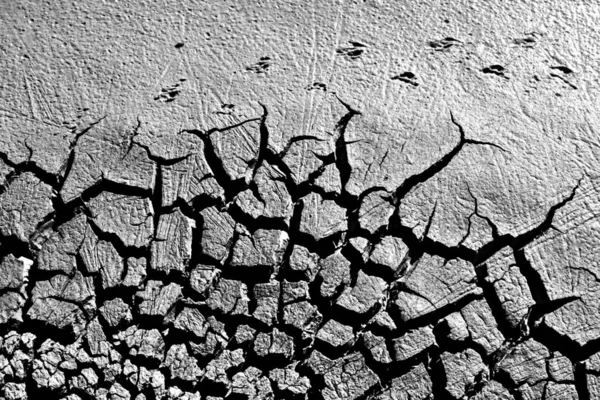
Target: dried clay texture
x: 329, y: 200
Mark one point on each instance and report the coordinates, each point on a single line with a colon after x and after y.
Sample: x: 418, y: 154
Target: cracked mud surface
x: 336, y: 201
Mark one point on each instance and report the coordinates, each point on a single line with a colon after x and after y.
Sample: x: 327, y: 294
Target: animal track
x: 443, y: 44
x: 353, y: 52
x: 495, y: 69
x: 261, y: 67
x: 561, y: 73
x: 529, y: 41
x: 226, y: 109
x: 407, y: 77
x: 317, y: 86
x: 170, y: 93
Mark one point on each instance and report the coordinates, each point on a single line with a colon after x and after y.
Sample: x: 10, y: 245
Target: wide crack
x: 205, y: 311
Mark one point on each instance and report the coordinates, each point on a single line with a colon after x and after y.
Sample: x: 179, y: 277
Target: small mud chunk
x: 171, y: 248
x: 116, y: 312
x: 157, y: 299
x: 482, y: 326
x: 192, y: 321
x: 346, y: 378
x: 388, y: 255
x: 136, y: 272
x: 321, y: 218
x: 202, y: 279
x: 556, y: 391
x: 217, y: 233
x: 364, y: 296
x: 277, y: 346
x: 432, y: 283
x: 464, y: 372
x: 107, y: 152
x: 304, y: 261
x: 375, y: 211
x: 384, y: 322
x: 414, y: 385
x: 59, y: 251
x: 189, y: 179
x: 350, y: 378
x: 23, y: 205
x: 181, y: 365
x: 229, y: 297
x: 251, y: 384
x: 376, y: 345
x: 526, y: 363
x: 413, y: 343
x: 294, y: 291
x: 262, y: 251
x: 304, y: 317
x: 290, y: 382
x: 244, y: 335
x: 128, y: 217
x: 560, y: 368
x: 334, y: 274
x: 271, y: 199
x: 64, y: 303
x: 217, y: 370
x: 13, y: 279
x: 305, y: 157
x: 110, y: 264
x: 335, y: 334
x: 510, y: 286
x: 145, y: 343
x: 238, y: 149
x: 329, y: 180
x: 267, y: 299
x: 493, y: 390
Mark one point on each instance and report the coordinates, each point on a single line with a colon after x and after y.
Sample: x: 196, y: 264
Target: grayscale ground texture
x: 299, y: 200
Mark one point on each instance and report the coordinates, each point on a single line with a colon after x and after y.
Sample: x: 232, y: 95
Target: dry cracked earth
x: 299, y: 200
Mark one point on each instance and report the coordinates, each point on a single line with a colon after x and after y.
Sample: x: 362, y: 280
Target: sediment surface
x: 299, y: 200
